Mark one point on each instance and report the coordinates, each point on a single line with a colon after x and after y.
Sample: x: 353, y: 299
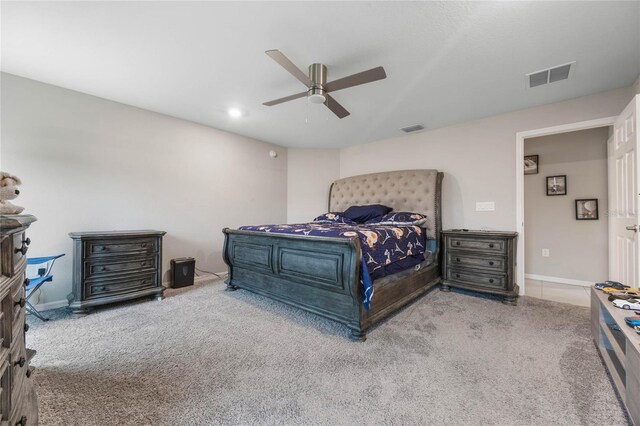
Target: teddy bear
x: 9, y: 191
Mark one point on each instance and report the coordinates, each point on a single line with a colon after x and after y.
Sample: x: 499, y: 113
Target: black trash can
x: 182, y: 271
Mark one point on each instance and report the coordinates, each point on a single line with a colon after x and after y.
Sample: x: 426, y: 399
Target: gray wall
x: 92, y: 164
x: 578, y: 248
x: 310, y: 174
x: 478, y: 157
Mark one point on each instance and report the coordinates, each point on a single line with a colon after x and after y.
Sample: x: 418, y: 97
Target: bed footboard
x: 317, y: 274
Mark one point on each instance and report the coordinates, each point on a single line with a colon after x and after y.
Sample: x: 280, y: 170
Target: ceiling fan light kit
x: 318, y: 76
x: 316, y: 81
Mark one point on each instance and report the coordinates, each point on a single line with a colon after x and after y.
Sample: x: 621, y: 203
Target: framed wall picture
x: 557, y: 185
x: 530, y: 164
x: 587, y: 209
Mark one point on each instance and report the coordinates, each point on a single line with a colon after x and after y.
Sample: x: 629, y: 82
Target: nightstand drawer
x: 477, y: 279
x: 121, y: 247
x: 123, y: 285
x: 477, y: 244
x: 490, y: 263
x: 107, y: 267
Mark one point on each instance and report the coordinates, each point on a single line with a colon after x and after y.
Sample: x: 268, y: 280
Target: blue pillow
x: 400, y: 218
x: 361, y: 214
x: 332, y: 217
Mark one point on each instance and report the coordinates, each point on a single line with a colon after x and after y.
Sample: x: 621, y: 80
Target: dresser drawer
x: 19, y: 303
x: 16, y: 284
x: 97, y: 268
x: 105, y: 288
x: 488, y: 245
x: 6, y: 320
x: 490, y: 263
x: 477, y: 279
x: 19, y: 251
x: 121, y: 247
x: 17, y: 328
x: 5, y: 391
x: 19, y: 367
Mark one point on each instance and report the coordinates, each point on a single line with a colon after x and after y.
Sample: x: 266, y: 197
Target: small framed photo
x: 587, y: 209
x: 557, y: 185
x: 530, y: 164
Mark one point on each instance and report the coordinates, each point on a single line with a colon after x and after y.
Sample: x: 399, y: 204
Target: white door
x: 624, y: 238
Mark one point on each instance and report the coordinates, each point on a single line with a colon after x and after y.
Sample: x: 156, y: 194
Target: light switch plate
x: 545, y: 252
x: 485, y: 206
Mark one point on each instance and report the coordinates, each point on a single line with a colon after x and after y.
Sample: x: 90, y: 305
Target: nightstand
x: 481, y: 261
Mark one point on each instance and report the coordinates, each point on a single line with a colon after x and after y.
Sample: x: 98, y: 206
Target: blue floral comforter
x: 381, y: 245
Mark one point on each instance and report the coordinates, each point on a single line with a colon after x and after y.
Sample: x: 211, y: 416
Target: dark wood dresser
x: 481, y: 261
x: 18, y: 401
x: 115, y: 266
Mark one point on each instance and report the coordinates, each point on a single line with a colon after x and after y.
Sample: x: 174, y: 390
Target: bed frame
x: 322, y: 274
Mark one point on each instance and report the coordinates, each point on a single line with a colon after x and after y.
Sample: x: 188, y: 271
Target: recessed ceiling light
x: 234, y: 112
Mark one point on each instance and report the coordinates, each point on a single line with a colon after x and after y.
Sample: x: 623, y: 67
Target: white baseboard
x: 64, y: 302
x: 558, y: 280
x: 52, y: 305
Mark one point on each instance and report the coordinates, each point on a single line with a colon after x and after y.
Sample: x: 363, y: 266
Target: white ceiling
x: 446, y: 62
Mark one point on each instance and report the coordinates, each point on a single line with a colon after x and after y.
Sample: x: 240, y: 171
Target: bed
x: 322, y: 274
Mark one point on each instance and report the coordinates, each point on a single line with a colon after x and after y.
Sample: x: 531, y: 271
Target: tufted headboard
x: 403, y: 190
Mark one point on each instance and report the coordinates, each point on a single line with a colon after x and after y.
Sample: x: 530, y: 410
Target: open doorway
x: 565, y: 226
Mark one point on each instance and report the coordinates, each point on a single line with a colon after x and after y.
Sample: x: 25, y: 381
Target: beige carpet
x: 204, y: 356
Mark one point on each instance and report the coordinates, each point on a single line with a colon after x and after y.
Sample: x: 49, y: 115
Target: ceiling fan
x: 317, y: 87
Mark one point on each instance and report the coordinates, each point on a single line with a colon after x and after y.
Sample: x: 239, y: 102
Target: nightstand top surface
x: 478, y: 232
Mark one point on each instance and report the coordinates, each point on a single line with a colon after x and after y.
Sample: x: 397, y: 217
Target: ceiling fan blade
x: 363, y: 77
x: 285, y: 99
x: 335, y: 107
x: 279, y: 57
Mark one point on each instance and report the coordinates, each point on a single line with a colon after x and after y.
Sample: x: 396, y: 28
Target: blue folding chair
x: 44, y: 275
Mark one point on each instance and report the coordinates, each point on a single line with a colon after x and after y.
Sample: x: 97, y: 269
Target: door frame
x: 520, y: 137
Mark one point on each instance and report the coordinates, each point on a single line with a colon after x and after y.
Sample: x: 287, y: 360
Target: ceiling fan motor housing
x: 318, y: 76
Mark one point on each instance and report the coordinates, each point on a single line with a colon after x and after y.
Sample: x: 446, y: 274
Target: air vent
x: 539, y: 78
x: 551, y: 75
x: 414, y: 128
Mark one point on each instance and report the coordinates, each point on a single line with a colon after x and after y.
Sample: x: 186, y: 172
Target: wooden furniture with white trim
x: 619, y: 346
x: 18, y: 401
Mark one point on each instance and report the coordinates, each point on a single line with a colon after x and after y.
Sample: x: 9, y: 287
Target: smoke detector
x: 550, y: 75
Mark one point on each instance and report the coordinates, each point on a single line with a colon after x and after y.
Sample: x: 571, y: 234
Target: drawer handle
x: 457, y: 243
x: 22, y: 249
x: 22, y: 421
x: 490, y: 245
x: 103, y: 248
x: 100, y: 288
x: 457, y: 275
x: 26, y: 281
x: 21, y: 362
x: 490, y: 263
x: 29, y: 372
x: 26, y: 328
x: 491, y: 280
x: 144, y: 245
x: 103, y: 268
x: 20, y: 302
x: 143, y: 264
x: 457, y: 259
x: 27, y: 241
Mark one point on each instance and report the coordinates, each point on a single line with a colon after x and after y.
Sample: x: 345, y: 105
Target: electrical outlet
x: 545, y: 252
x: 485, y: 206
